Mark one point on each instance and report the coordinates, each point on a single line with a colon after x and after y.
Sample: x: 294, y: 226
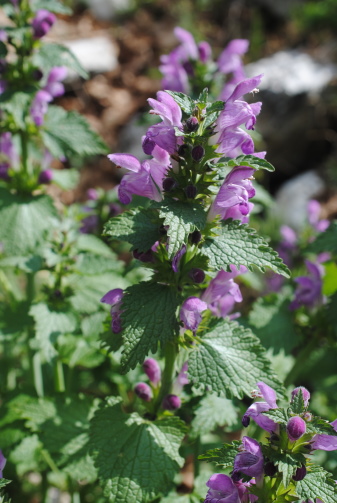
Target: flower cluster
x: 190, y: 66
x: 51, y: 90
x: 294, y: 432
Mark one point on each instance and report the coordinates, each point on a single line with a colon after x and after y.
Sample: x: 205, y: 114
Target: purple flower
x: 89, y: 224
x: 309, y: 290
x: 234, y: 194
x: 177, y: 258
x: 314, y: 211
x: 143, y: 391
x: 163, y: 134
x: 296, y: 427
x: 233, y: 140
x: 221, y: 490
x: 42, y: 23
x: 305, y: 394
x: 92, y: 194
x: 190, y: 312
x: 114, y: 299
x: 52, y: 89
x: 250, y: 460
x: 182, y: 378
x: 205, y: 51
x: 230, y: 61
x: 171, y: 402
x: 256, y: 409
x: 152, y: 370
x: 53, y: 85
x: 145, y: 179
x: 325, y: 442
x: 222, y: 292
x: 2, y: 463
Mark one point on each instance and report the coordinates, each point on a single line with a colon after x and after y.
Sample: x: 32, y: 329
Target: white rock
x: 96, y: 54
x: 106, y: 10
x: 293, y: 197
x: 292, y: 72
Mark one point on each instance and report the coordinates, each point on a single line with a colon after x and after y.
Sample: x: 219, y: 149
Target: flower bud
x: 270, y: 469
x: 171, y: 402
x: 182, y: 150
x: 169, y: 184
x: 196, y: 237
x: 197, y: 275
x: 198, y: 153
x: 143, y: 391
x: 37, y: 74
x: 296, y: 427
x: 152, y: 370
x: 245, y: 421
x: 191, y: 125
x: 307, y: 416
x: 300, y: 473
x: 2, y: 463
x: 191, y: 191
x: 46, y: 176
x: 305, y: 394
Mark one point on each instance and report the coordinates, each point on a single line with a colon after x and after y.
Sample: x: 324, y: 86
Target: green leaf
x: 182, y: 219
x: 16, y: 103
x: 138, y: 227
x: 49, y: 324
x: 272, y: 321
x: 331, y: 312
x: 27, y: 456
x: 4, y: 482
x: 297, y: 403
x: 279, y: 416
x: 213, y: 411
x: 185, y: 103
x: 321, y: 426
x: 50, y: 55
x: 24, y: 220
x: 212, y: 113
x: 326, y: 241
x: 317, y: 484
x: 52, y: 6
x: 89, y: 264
x: 66, y: 133
x: 288, y: 468
x: 230, y: 361
x: 252, y: 161
x: 62, y: 426
x: 136, y: 458
x: 224, y: 455
x: 239, y: 245
x: 148, y: 318
x: 67, y: 179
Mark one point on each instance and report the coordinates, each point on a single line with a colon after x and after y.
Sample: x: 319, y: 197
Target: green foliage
x: 326, y: 241
x: 51, y: 5
x: 68, y: 133
x: 184, y: 101
x: 331, y: 312
x: 138, y: 227
x: 24, y: 221
x: 211, y: 412
x: 149, y: 318
x: 16, y: 103
x: 224, y: 455
x: 216, y: 363
x: 136, y: 459
x: 317, y: 484
x: 237, y: 244
x: 4, y: 482
x: 251, y: 161
x: 182, y: 219
x: 66, y: 179
x: 272, y: 321
x: 50, y: 323
x: 50, y: 55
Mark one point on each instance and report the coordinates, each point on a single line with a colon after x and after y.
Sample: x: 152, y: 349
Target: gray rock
x: 292, y: 72
x: 106, y: 10
x: 293, y: 197
x: 97, y: 54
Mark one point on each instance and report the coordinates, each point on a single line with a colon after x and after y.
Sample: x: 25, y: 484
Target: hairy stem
x: 171, y: 351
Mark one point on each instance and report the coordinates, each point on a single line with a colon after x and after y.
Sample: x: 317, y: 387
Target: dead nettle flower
x: 255, y: 410
x: 143, y: 391
x: 309, y: 290
x: 114, y: 299
x: 314, y: 212
x: 46, y: 176
x: 250, y: 460
x: 53, y: 89
x: 152, y: 370
x: 8, y: 155
x: 222, y: 489
x: 42, y: 23
x: 296, y: 427
x: 171, y: 403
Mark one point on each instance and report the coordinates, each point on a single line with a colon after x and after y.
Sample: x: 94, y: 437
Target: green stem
x: 76, y: 498
x: 24, y: 151
x: 301, y: 358
x: 59, y: 377
x: 38, y: 376
x: 196, y: 454
x: 171, y: 351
